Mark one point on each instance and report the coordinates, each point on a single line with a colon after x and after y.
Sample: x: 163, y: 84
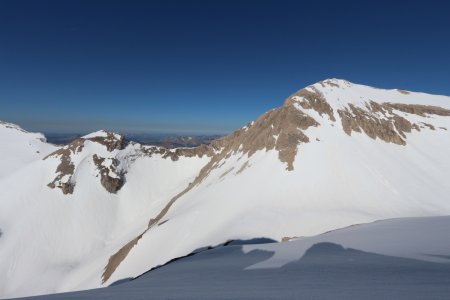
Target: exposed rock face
x: 312, y: 100
x: 112, y: 141
x: 403, y: 92
x: 172, y: 142
x: 110, y: 177
x: 361, y: 120
x: 66, y: 168
x: 174, y: 154
x: 420, y: 110
x: 429, y: 126
x: 376, y: 120
x: 381, y: 121
x: 280, y: 129
x: 115, y: 260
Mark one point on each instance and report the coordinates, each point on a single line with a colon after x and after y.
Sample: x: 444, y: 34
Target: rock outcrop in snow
x: 377, y: 120
x: 66, y: 167
x: 106, y: 165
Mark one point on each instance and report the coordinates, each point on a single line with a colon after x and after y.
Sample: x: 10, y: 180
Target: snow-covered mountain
x: 102, y: 208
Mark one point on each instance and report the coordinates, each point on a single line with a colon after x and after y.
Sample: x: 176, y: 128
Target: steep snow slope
x: 333, y: 155
x: 404, y: 258
x: 18, y: 148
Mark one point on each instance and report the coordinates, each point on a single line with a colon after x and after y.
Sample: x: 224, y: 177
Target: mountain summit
x: 102, y: 208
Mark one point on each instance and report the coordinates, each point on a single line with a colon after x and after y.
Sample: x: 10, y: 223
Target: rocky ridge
x: 282, y: 129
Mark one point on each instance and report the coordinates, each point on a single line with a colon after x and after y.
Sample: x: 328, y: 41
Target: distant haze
x: 203, y: 67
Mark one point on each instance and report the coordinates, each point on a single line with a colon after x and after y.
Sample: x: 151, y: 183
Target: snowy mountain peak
x: 109, y: 139
x: 335, y: 82
x: 103, y: 134
x: 385, y: 114
x: 340, y: 92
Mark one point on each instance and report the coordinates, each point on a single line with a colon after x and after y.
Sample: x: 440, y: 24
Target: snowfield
x: 19, y: 148
x: 334, y: 155
x: 403, y: 258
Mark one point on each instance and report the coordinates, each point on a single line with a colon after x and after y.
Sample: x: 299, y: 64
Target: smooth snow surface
x: 392, y: 259
x: 19, y: 148
x: 414, y: 238
x: 53, y: 242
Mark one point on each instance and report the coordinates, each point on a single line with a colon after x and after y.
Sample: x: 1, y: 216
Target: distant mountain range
x: 105, y: 208
x: 165, y: 140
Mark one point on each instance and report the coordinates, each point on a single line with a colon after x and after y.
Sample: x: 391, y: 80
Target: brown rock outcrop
x: 417, y: 109
x: 112, y: 141
x: 174, y: 154
x: 312, y: 100
x: 361, y: 120
x: 391, y: 127
x: 403, y: 92
x: 65, y: 168
x: 111, y: 183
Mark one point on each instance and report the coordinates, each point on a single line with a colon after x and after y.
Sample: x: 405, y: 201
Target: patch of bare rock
x: 66, y: 168
x: 110, y: 177
x: 381, y: 121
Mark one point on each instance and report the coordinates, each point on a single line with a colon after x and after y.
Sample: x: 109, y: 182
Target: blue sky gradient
x: 204, y: 66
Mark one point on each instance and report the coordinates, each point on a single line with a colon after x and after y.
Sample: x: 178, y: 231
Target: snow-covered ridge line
x: 112, y: 155
x: 388, y: 118
x: 386, y: 121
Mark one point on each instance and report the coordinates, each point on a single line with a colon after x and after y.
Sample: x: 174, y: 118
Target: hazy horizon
x: 203, y: 67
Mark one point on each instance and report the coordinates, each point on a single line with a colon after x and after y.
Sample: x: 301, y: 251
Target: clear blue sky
x: 204, y: 66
